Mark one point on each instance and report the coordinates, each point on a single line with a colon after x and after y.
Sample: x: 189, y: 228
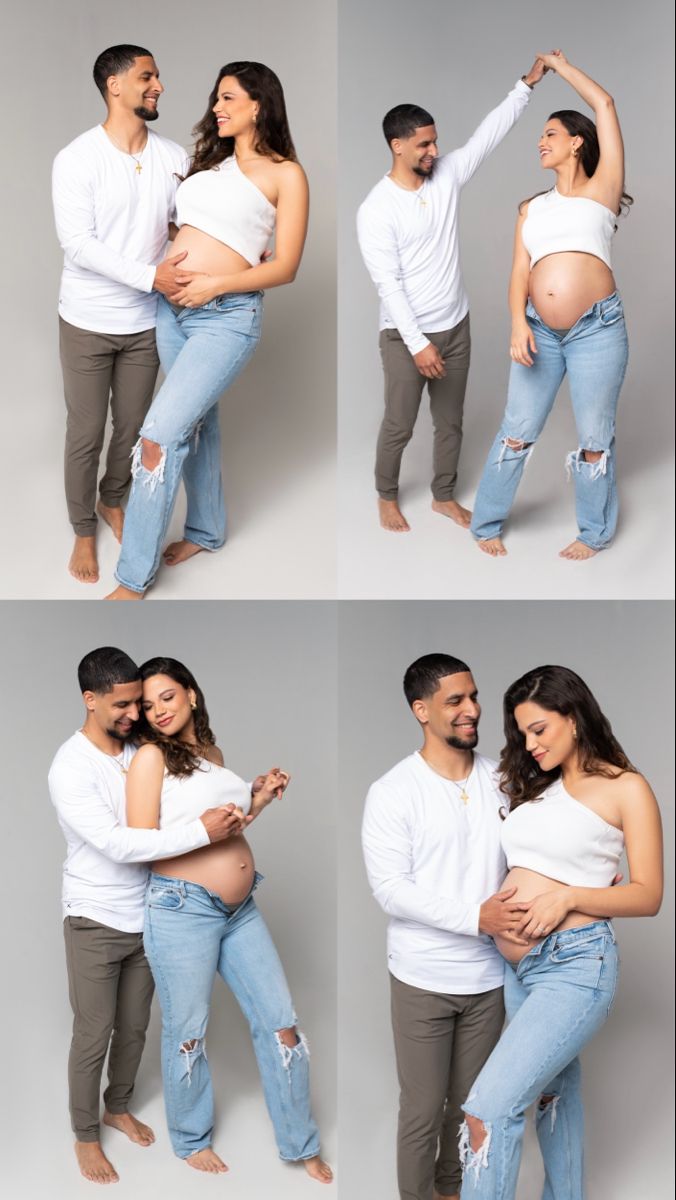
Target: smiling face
x: 419, y: 153
x: 549, y: 736
x: 451, y: 714
x: 115, y: 713
x: 235, y: 111
x: 556, y: 144
x: 138, y: 89
x: 167, y: 707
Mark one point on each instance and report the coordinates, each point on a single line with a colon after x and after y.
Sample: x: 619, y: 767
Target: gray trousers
x: 403, y: 392
x: 102, y: 370
x: 110, y: 989
x: 441, y: 1044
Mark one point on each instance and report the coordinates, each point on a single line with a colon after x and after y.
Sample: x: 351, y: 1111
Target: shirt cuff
x: 524, y: 87
x: 148, y: 279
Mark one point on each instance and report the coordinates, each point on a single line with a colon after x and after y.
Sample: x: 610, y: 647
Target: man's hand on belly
x: 165, y: 274
x: 499, y: 916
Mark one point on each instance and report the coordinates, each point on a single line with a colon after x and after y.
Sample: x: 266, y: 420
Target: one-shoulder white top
x: 224, y: 203
x: 184, y: 798
x: 556, y: 223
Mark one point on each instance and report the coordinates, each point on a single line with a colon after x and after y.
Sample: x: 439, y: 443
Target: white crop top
x: 557, y: 223
x: 559, y: 837
x: 184, y: 798
x: 224, y: 203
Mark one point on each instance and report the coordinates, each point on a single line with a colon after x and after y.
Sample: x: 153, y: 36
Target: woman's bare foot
x: 177, y: 552
x: 318, y: 1169
x: 493, y: 546
x: 93, y: 1163
x: 577, y: 551
x: 391, y: 517
x: 135, y: 1130
x: 207, y: 1160
x: 83, y: 564
x: 113, y: 517
x: 123, y: 593
x: 451, y: 508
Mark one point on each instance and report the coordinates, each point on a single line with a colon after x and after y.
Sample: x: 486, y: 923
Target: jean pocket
x: 162, y: 895
x: 581, y: 959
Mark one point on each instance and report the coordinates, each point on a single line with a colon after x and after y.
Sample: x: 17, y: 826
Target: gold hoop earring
x: 193, y: 705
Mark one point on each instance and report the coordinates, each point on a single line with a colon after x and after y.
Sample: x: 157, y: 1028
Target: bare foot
x: 391, y: 517
x: 451, y: 508
x: 207, y: 1160
x: 113, y: 517
x: 83, y: 565
x: 177, y: 552
x: 577, y: 551
x: 318, y: 1169
x: 93, y: 1163
x: 493, y: 546
x: 123, y: 593
x: 134, y: 1129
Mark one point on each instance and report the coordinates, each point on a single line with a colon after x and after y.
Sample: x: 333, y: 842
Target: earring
x: 574, y: 152
x: 574, y: 733
x: 193, y: 704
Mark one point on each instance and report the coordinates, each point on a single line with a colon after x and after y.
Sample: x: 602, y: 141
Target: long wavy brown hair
x: 273, y: 136
x: 578, y: 125
x: 180, y: 759
x: 560, y: 690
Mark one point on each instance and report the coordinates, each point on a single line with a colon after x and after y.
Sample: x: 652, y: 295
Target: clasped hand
x: 194, y: 288
x: 269, y: 787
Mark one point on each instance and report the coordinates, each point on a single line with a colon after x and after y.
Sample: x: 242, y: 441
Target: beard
x: 146, y: 114
x: 119, y: 734
x: 425, y: 172
x: 459, y: 743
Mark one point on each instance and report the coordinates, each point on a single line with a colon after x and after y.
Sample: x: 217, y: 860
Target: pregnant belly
x: 226, y: 868
x: 563, y: 286
x: 529, y: 884
x: 206, y: 253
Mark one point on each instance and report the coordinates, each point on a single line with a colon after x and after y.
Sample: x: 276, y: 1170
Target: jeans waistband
x: 599, y: 308
x: 186, y: 888
x: 568, y: 937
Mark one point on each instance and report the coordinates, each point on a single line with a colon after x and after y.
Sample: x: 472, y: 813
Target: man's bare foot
x: 134, y: 1129
x: 318, y: 1169
x: 451, y: 508
x: 493, y: 546
x: 83, y: 564
x: 177, y: 552
x: 577, y: 551
x: 93, y: 1163
x: 113, y: 517
x: 391, y: 517
x: 123, y: 593
x: 207, y: 1160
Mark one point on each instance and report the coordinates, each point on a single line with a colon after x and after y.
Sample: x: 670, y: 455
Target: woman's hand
x: 195, y: 288
x: 544, y: 913
x: 535, y: 74
x: 553, y: 61
x: 522, y: 344
x: 268, y: 787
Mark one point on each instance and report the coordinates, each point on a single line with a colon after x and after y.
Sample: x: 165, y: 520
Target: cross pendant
x: 139, y: 168
x: 464, y: 797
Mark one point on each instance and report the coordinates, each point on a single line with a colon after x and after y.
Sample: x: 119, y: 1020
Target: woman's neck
x: 571, y: 178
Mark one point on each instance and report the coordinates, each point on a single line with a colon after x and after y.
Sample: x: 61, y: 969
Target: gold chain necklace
x: 113, y: 757
x: 139, y: 167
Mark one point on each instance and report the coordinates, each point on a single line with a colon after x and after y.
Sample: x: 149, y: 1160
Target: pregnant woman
x: 566, y: 317
x: 201, y: 920
x: 575, y: 803
x: 244, y: 183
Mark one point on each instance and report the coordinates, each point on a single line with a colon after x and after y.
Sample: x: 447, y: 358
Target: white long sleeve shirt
x: 112, y: 223
x: 104, y: 874
x: 409, y: 240
x: 431, y: 861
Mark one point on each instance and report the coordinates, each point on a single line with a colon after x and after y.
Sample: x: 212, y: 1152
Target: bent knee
x: 477, y: 1132
x: 151, y: 454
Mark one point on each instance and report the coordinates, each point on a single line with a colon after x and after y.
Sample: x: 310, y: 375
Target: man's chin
x: 463, y: 743
x: 146, y: 114
x: 121, y: 735
x: 424, y: 172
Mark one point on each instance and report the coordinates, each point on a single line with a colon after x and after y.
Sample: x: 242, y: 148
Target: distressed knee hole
x: 548, y: 1104
x: 474, y: 1145
x: 592, y: 456
x: 514, y: 445
x: 190, y: 1051
x: 292, y: 1046
x: 148, y: 461
x: 151, y: 454
x: 477, y: 1133
x: 188, y: 1047
x: 288, y: 1037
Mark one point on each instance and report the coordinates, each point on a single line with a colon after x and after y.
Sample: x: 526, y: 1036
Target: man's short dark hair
x: 422, y: 677
x: 402, y: 121
x: 101, y: 669
x: 114, y: 61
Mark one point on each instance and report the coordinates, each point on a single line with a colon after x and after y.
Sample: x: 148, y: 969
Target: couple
x: 503, y: 872
x: 186, y: 812
x: 120, y: 192
x: 567, y: 316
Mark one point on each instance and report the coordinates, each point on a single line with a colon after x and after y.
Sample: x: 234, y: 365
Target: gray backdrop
x: 620, y: 650
x: 260, y: 666
x: 279, y: 420
x: 459, y: 60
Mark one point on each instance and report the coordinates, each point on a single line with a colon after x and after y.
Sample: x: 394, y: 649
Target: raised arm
x: 609, y: 175
x: 494, y: 126
x: 522, y: 342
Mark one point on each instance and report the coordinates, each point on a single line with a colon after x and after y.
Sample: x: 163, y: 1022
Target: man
x: 113, y: 190
x: 431, y: 839
x: 104, y: 882
x: 408, y: 235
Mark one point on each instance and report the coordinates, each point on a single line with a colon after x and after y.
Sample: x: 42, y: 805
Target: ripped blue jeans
x: 557, y: 997
x: 202, y: 351
x: 594, y: 353
x: 190, y: 936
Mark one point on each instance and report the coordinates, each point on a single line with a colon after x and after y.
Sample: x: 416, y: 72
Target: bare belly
x: 206, y: 253
x: 226, y: 868
x: 529, y: 884
x: 563, y: 286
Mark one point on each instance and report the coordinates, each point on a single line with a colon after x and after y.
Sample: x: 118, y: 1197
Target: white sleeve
x: 379, y: 252
x: 72, y: 195
x: 87, y: 813
x: 386, y: 842
x: 489, y: 134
